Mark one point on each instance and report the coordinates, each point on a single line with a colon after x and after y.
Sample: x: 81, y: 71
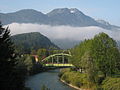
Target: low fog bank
x: 63, y: 36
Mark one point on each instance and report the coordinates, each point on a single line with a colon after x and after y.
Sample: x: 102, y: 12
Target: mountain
x: 34, y: 40
x: 107, y: 24
x: 60, y: 16
x: 118, y: 43
x: 24, y: 16
x: 66, y: 43
x: 72, y: 17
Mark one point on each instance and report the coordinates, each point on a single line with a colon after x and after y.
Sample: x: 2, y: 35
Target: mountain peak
x: 28, y: 11
x: 66, y: 11
x: 74, y: 10
x: 59, y: 11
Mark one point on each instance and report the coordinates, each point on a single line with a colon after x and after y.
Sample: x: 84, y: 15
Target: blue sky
x: 98, y: 9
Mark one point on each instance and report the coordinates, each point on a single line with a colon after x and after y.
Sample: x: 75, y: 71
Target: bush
x: 62, y: 71
x: 111, y: 84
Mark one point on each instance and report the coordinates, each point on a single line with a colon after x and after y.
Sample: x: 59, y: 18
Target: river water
x: 49, y: 79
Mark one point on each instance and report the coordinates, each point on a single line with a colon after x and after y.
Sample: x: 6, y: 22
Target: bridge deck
x: 59, y: 65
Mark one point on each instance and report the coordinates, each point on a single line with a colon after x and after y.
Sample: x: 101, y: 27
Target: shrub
x: 111, y: 84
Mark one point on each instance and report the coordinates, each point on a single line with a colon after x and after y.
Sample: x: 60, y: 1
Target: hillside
x: 31, y: 41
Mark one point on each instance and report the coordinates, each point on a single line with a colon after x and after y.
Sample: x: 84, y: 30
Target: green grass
x: 80, y: 80
x: 75, y: 78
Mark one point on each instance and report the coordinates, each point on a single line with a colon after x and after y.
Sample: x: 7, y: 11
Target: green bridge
x: 58, y: 60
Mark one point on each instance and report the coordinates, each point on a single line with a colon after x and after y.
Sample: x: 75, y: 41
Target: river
x: 49, y: 79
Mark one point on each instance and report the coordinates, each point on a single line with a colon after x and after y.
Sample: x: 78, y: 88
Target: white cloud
x: 62, y: 32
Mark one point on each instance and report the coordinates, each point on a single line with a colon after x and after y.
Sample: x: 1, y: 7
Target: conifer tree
x: 7, y: 61
x: 11, y: 75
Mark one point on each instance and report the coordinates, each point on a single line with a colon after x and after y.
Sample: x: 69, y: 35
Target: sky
x: 98, y: 9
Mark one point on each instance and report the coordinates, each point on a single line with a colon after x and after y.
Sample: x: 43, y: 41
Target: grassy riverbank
x: 71, y: 85
x: 75, y: 79
x: 80, y: 81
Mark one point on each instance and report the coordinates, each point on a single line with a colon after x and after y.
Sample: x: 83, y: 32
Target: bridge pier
x: 52, y: 60
x: 63, y: 59
x: 57, y: 59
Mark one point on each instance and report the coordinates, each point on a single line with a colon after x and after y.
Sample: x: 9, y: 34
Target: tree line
x: 98, y: 57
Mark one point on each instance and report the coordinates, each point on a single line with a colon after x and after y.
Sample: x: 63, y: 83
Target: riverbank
x: 75, y: 79
x: 79, y: 81
x: 70, y: 85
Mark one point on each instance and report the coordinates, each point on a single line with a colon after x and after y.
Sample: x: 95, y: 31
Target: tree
x: 42, y: 53
x: 11, y: 77
x: 29, y: 63
x: 106, y: 54
x: 89, y: 66
x: 99, y: 56
x: 7, y: 61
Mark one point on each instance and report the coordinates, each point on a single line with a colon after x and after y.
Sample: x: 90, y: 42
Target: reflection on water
x: 49, y: 78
